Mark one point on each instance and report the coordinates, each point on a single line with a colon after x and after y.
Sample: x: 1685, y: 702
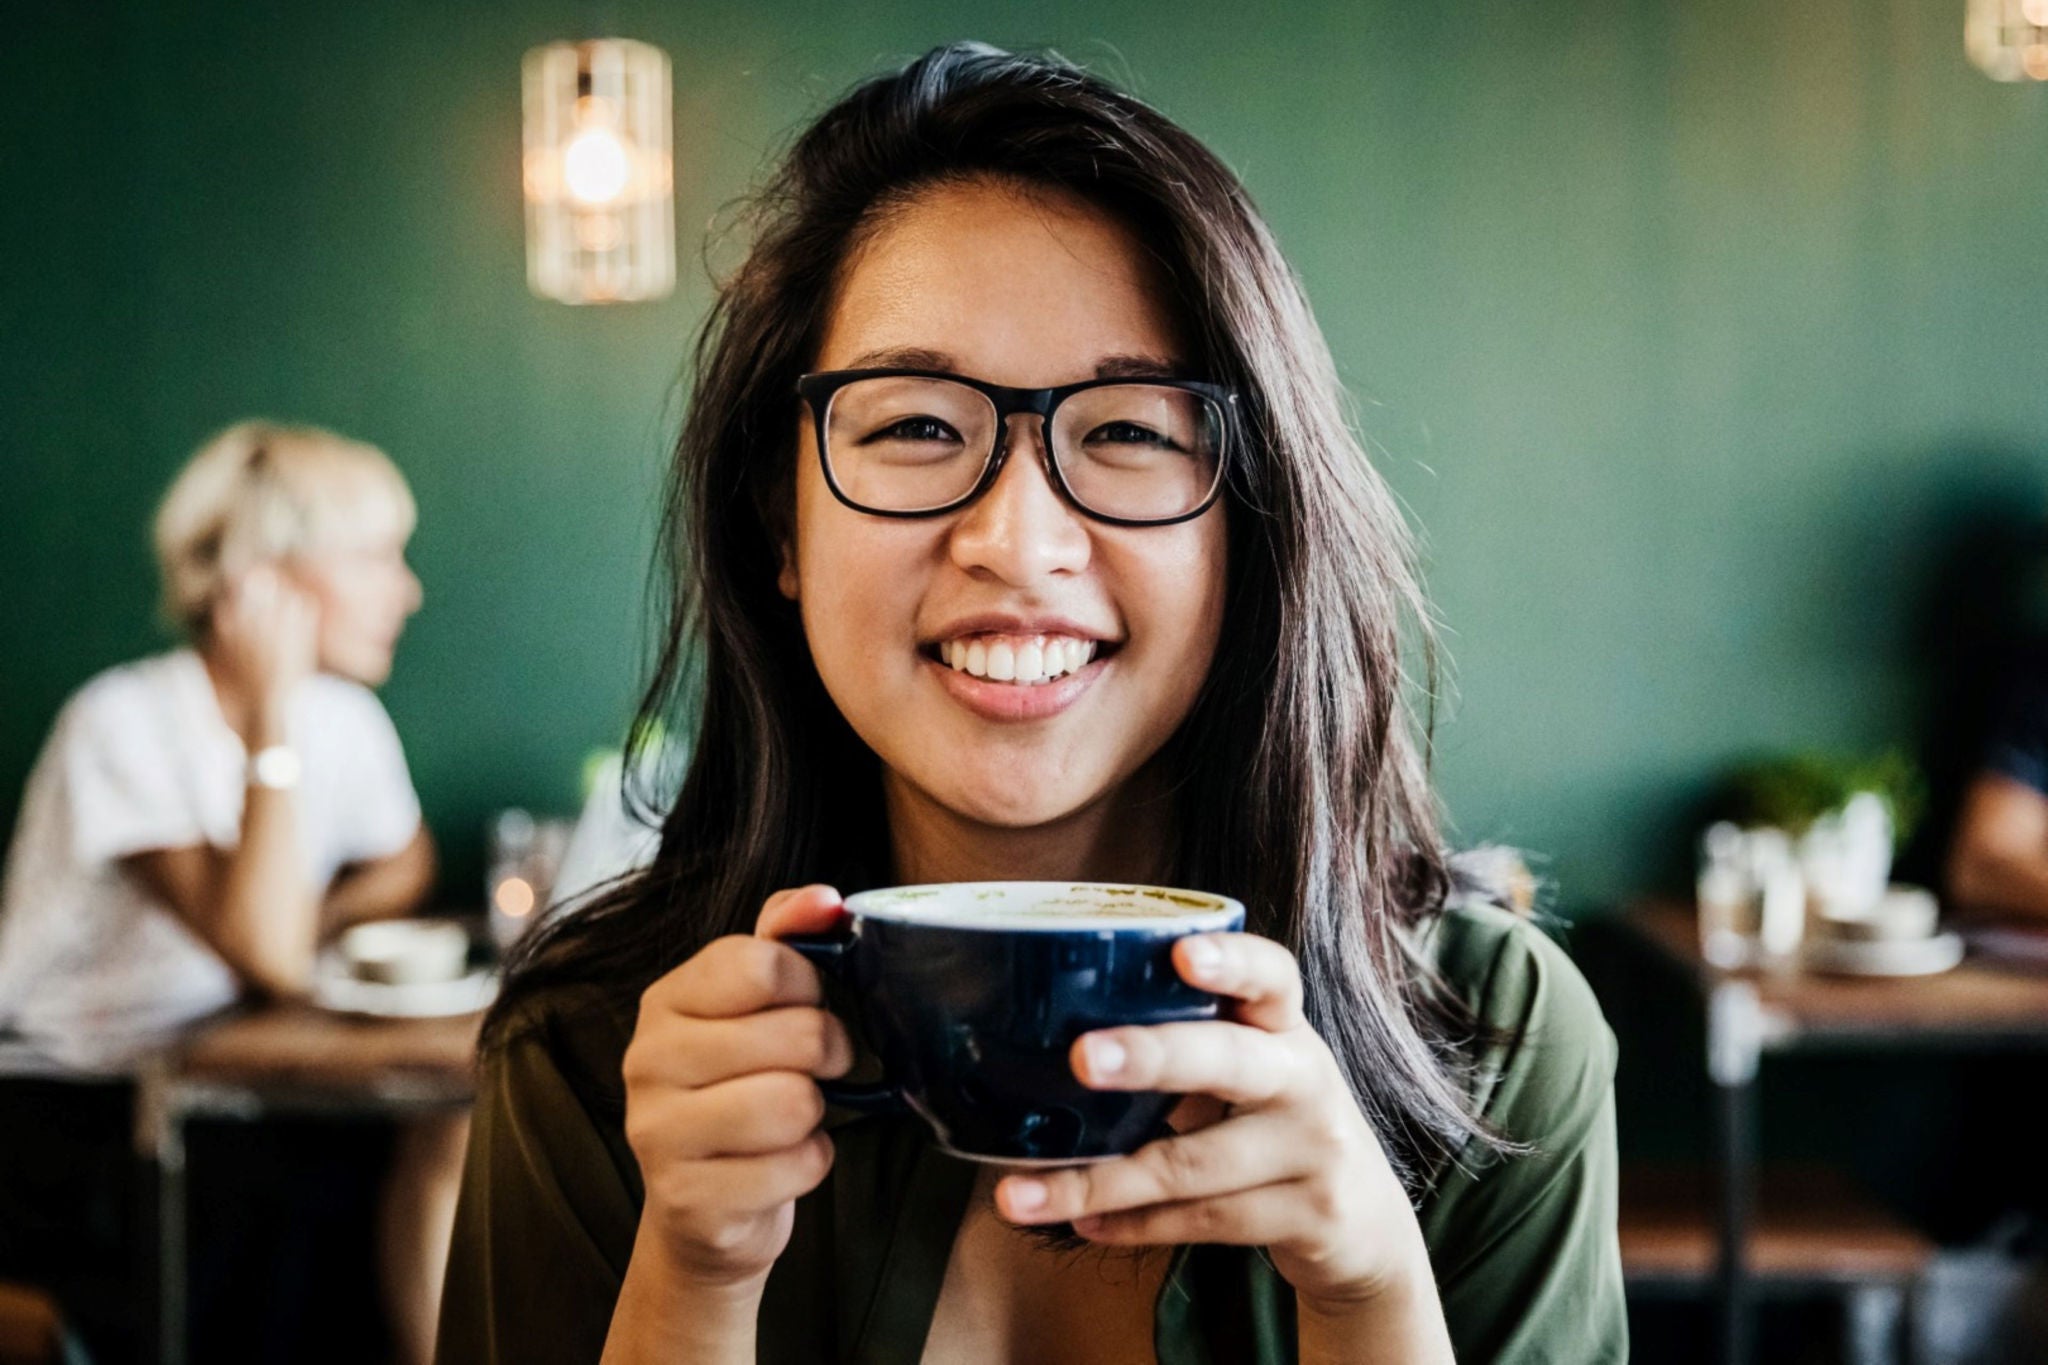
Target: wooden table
x: 1751, y: 1014
x: 283, y: 1059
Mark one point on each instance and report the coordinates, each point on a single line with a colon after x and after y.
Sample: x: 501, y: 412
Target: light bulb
x: 600, y: 197
x: 595, y: 166
x: 598, y: 231
x: 515, y: 897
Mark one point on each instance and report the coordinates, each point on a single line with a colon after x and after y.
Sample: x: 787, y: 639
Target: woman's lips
x: 1009, y: 701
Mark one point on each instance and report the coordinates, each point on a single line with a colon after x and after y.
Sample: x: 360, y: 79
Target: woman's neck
x: 1120, y: 837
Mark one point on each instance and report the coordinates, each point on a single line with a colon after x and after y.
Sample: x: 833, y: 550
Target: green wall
x: 1697, y: 337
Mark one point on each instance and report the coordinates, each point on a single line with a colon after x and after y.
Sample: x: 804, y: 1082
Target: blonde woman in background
x: 201, y: 821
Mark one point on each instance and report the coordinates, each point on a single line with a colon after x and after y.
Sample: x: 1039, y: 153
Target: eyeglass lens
x: 1139, y: 452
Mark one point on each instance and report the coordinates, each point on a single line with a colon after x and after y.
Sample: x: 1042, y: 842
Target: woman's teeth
x: 1018, y: 659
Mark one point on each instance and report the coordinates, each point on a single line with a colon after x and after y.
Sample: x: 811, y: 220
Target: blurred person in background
x: 1998, y: 858
x: 201, y: 821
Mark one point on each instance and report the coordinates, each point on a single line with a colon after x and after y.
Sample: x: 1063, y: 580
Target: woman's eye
x: 1130, y: 433
x: 916, y: 429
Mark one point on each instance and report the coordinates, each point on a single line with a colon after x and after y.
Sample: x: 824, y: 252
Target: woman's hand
x: 722, y: 1102
x: 1271, y: 1149
x: 266, y: 630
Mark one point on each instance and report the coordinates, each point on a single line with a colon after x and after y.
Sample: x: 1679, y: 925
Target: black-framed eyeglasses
x: 916, y: 443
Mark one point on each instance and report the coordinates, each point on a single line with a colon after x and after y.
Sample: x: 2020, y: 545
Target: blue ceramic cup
x: 972, y: 994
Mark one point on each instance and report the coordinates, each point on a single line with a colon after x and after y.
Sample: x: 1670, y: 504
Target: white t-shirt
x: 140, y: 758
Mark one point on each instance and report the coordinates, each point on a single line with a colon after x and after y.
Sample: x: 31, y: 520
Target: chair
x: 1814, y: 1232
x: 68, y: 1210
x: 32, y: 1330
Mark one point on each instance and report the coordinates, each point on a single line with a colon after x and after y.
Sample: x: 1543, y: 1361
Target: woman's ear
x: 785, y: 578
x: 776, y: 506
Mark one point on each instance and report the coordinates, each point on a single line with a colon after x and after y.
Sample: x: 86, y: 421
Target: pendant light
x: 2008, y: 39
x: 600, y: 184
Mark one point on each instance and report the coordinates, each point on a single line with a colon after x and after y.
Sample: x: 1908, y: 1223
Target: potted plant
x: 1845, y: 816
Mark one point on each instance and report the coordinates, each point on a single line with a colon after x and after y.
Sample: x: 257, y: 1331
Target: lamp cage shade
x: 600, y: 182
x: 2008, y: 39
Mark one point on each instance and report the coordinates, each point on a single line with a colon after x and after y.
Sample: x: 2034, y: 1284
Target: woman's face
x: 364, y: 595
x: 1029, y: 289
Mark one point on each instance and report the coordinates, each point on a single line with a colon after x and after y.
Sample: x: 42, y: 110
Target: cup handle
x: 829, y: 953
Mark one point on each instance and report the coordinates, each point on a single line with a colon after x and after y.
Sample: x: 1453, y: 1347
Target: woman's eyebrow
x: 1138, y: 367
x: 901, y: 358
x: 1120, y: 366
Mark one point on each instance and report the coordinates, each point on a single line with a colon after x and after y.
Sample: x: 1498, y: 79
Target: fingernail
x: 1105, y: 1056
x: 1026, y: 1196
x: 1089, y: 1225
x: 1204, y: 957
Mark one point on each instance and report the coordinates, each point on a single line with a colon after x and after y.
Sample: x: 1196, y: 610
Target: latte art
x: 1044, y: 906
x: 1072, y: 909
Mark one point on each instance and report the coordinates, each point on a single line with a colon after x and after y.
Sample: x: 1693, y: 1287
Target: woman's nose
x: 1021, y: 529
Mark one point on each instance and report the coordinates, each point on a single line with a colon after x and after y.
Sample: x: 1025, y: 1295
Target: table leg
x: 1734, y: 1050
x: 1874, y: 1327
x: 171, y: 1243
x: 1737, y: 1198
x: 160, y: 1138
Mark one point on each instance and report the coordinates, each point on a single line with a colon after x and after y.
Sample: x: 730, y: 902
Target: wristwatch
x: 275, y: 766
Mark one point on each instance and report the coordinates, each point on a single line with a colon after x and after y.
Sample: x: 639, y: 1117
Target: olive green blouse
x: 1524, y: 1247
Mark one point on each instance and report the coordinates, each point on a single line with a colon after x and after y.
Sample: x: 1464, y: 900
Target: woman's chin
x: 1006, y: 804
x: 371, y: 668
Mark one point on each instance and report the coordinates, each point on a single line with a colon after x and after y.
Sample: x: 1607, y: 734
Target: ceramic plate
x: 336, y: 988
x: 1898, y: 957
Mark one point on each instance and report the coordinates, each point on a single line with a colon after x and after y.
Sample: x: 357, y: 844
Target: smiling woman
x: 1017, y: 533
x: 1014, y: 560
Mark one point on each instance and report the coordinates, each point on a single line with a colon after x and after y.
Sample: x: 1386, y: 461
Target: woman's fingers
x: 1235, y: 1063
x: 799, y: 1038
x: 745, y: 1116
x: 1251, y: 1151
x: 1260, y: 975
x: 256, y: 587
x: 723, y: 1110
x: 763, y: 1112
x: 733, y: 976
x: 740, y: 974
x: 800, y: 910
x: 1260, y: 1217
x: 745, y: 1184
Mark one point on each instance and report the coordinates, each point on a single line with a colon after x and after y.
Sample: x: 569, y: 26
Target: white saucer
x: 1880, y: 957
x: 336, y: 988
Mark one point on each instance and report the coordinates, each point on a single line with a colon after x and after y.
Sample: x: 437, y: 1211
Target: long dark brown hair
x: 1299, y: 778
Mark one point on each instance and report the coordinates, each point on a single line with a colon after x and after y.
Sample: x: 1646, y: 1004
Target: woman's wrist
x: 270, y: 725
x: 1396, y: 1317
x: 667, y: 1314
x: 1401, y: 1320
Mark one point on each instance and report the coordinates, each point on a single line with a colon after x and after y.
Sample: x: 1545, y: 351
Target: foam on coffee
x: 1048, y: 906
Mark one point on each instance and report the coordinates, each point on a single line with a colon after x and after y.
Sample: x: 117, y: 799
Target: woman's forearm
x: 267, y: 920
x: 1998, y: 860
x: 383, y: 889
x: 1401, y: 1325
x: 664, y: 1316
x: 2001, y: 882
